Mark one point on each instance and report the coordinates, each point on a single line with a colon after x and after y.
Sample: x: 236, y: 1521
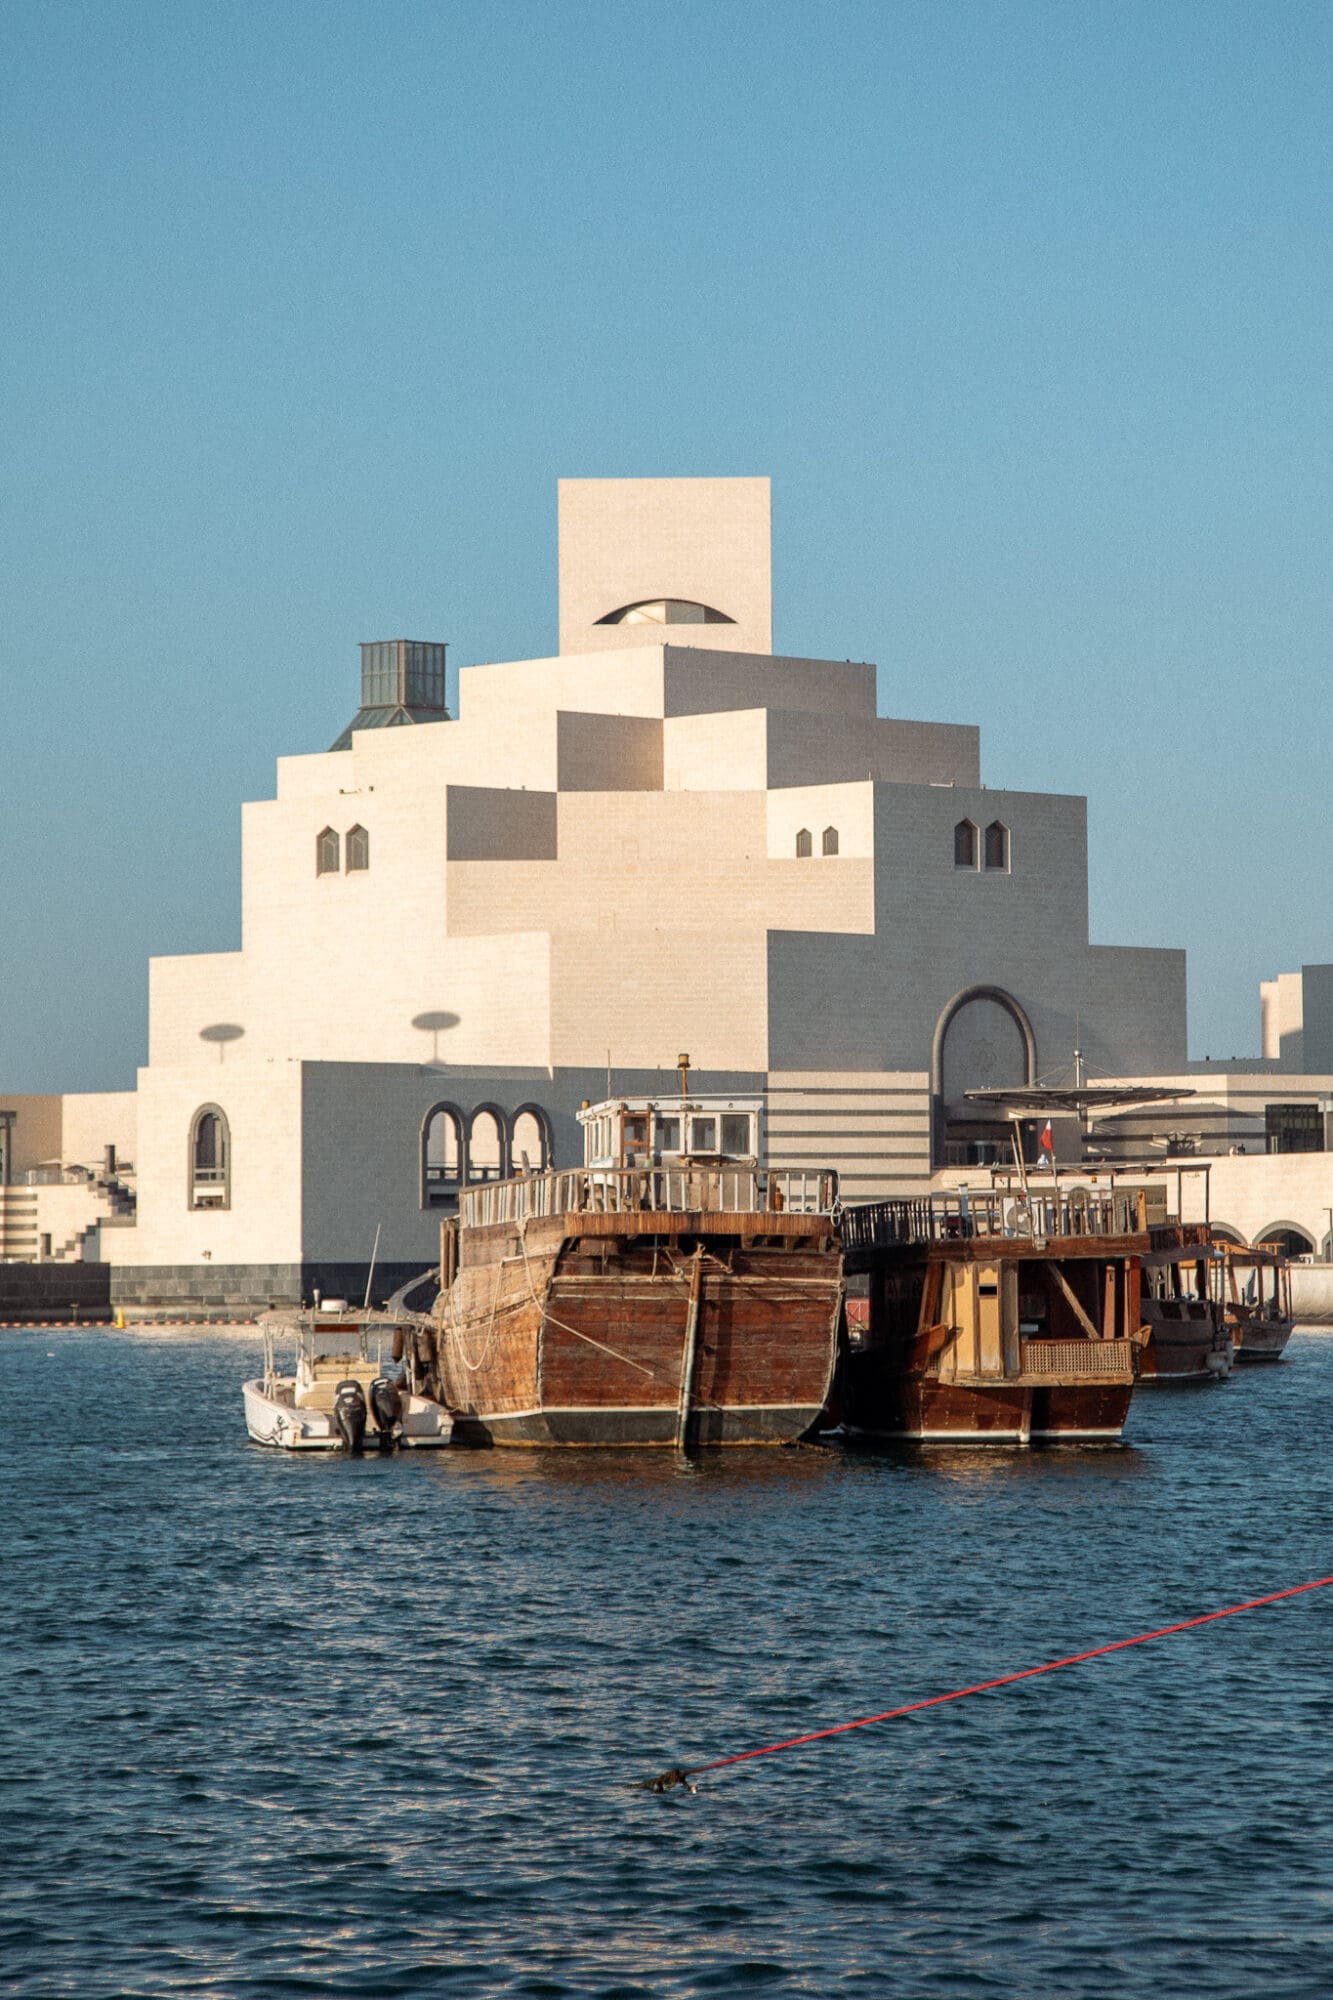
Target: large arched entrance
x: 983, y: 1039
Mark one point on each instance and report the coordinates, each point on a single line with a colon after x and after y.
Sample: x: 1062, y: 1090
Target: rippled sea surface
x: 315, y: 1726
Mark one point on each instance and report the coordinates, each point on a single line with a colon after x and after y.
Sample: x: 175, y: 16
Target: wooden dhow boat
x: 1258, y: 1302
x: 1187, y: 1339
x: 1007, y: 1319
x: 668, y: 1292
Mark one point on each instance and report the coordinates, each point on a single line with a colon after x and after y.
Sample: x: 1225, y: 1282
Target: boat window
x: 736, y: 1134
x: 668, y: 1135
x: 358, y: 848
x: 965, y: 844
x: 830, y: 840
x: 442, y: 1156
x: 997, y: 845
x: 326, y: 852
x: 804, y: 844
x: 703, y: 1135
x: 210, y: 1159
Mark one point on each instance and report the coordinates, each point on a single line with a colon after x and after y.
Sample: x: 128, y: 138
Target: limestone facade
x: 666, y: 838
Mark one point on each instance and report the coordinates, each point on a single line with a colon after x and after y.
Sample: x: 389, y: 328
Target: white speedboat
x: 336, y: 1395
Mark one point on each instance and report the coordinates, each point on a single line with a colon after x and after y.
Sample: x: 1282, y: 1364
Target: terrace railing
x: 944, y: 1218
x: 651, y: 1190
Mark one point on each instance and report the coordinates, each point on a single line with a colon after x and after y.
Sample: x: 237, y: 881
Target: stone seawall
x: 54, y: 1294
x: 240, y: 1290
x: 1312, y: 1294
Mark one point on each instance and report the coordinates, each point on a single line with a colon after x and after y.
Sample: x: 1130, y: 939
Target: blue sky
x: 1024, y: 308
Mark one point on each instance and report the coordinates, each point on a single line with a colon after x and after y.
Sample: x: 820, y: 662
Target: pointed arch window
x: 210, y: 1158
x: 804, y: 844
x: 965, y: 844
x: 326, y: 852
x: 997, y: 845
x: 830, y: 840
x: 358, y: 849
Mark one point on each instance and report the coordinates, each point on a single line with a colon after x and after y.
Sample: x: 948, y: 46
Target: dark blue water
x: 278, y: 1726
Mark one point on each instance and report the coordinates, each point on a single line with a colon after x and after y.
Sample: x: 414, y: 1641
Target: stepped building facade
x: 666, y: 839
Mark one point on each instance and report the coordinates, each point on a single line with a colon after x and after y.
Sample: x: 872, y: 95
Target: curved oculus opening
x: 666, y: 611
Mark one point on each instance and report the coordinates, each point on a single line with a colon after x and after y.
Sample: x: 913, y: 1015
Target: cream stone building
x: 667, y: 838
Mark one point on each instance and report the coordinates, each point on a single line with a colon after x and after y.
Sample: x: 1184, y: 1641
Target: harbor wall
x: 1312, y: 1294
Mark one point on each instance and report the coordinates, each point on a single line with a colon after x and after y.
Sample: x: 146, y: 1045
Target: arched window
x: 666, y: 611
x: 997, y: 845
x: 326, y: 852
x: 487, y: 1152
x: 804, y: 845
x: 530, y: 1148
x: 830, y: 840
x: 443, y: 1156
x: 964, y: 844
x: 209, y: 1171
x: 358, y: 848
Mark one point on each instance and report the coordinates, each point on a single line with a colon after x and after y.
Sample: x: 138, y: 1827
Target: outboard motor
x: 387, y: 1403
x: 349, y: 1414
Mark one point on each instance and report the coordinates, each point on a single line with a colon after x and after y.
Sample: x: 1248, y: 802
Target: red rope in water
x: 669, y: 1778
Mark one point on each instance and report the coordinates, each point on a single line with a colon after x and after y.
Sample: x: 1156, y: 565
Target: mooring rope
x: 668, y: 1779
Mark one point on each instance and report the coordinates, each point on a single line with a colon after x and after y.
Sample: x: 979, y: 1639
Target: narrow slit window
x: 358, y: 849
x: 804, y: 844
x: 830, y: 840
x: 964, y: 844
x: 997, y: 845
x: 326, y: 852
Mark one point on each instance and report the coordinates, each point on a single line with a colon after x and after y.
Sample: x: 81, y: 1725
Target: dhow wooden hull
x: 620, y: 1335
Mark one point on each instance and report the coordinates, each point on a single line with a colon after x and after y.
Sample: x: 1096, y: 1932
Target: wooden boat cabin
x: 1005, y: 1317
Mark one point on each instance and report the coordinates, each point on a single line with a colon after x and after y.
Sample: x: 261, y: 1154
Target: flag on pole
x: 1046, y: 1142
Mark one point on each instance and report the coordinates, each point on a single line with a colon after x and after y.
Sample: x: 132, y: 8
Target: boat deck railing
x: 654, y: 1190
x: 951, y: 1218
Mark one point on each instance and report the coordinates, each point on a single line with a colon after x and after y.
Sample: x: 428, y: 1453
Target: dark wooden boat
x: 666, y: 1300
x: 1187, y: 1339
x: 1258, y: 1302
x: 997, y: 1319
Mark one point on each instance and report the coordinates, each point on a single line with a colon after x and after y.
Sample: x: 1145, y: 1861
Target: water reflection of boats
x: 996, y: 1318
x: 335, y: 1395
x: 1187, y: 1339
x: 670, y: 1291
x: 1258, y: 1302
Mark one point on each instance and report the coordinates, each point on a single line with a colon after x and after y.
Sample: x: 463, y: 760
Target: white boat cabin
x: 669, y: 1131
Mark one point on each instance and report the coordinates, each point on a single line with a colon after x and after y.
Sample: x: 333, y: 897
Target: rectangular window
x: 668, y: 1135
x: 736, y: 1135
x: 1294, y: 1128
x: 703, y: 1135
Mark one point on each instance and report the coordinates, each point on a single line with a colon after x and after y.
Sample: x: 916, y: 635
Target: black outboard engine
x: 387, y: 1403
x: 349, y: 1414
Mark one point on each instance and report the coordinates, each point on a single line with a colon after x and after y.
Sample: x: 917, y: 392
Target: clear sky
x: 1025, y: 309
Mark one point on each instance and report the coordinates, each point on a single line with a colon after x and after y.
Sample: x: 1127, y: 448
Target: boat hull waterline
x: 275, y: 1420
x: 641, y: 1330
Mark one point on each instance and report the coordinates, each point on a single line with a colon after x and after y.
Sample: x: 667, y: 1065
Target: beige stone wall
x: 262, y: 1104
x: 623, y: 541
x: 36, y: 1135
x: 873, y: 1127
x: 93, y: 1120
